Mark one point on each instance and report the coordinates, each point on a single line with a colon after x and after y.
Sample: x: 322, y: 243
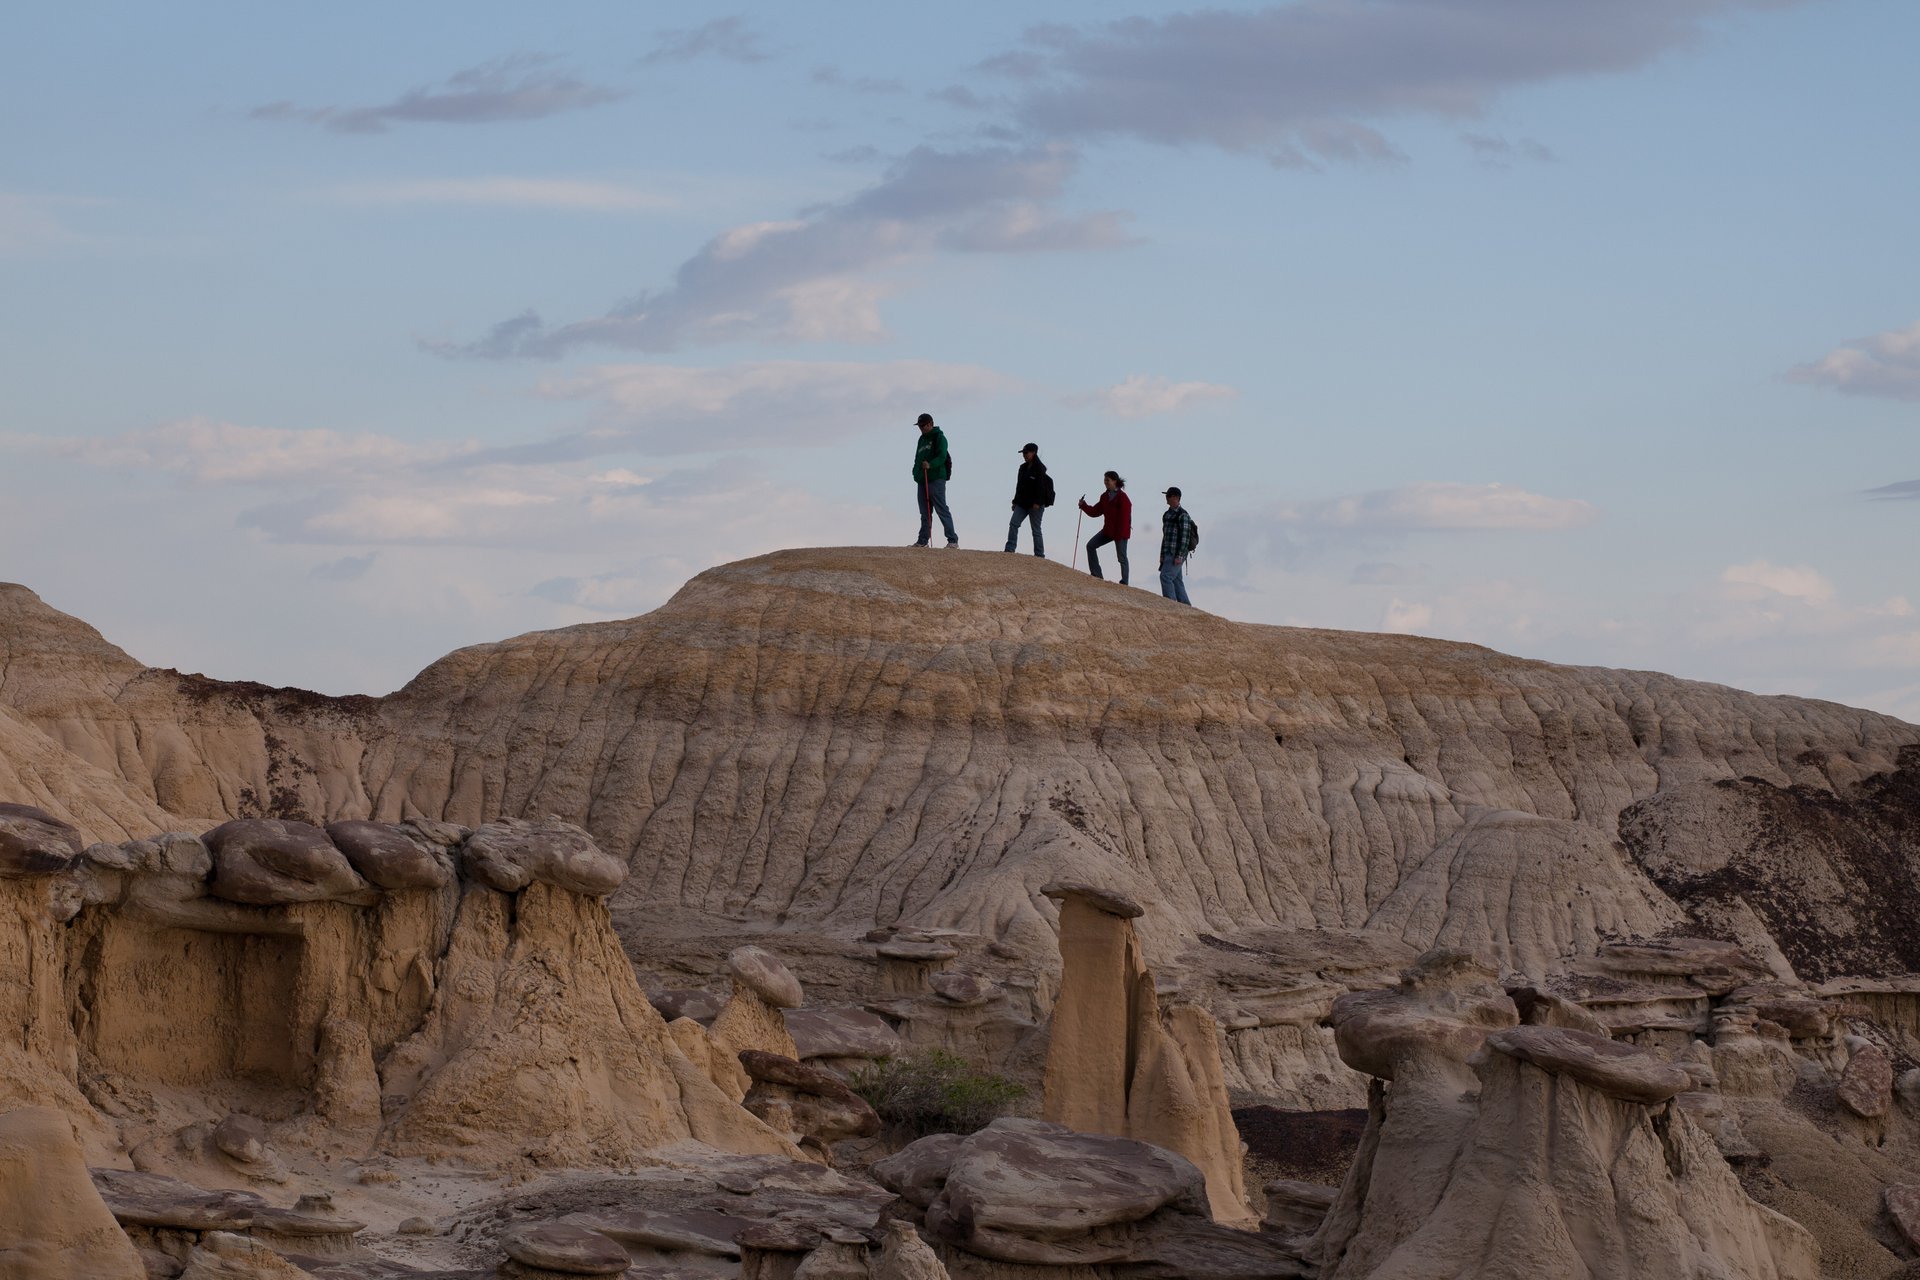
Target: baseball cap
x: 1173, y: 492
x: 1029, y: 447
x: 924, y: 420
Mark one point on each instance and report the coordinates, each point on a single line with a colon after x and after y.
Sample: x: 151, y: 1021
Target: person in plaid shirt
x: 1179, y: 535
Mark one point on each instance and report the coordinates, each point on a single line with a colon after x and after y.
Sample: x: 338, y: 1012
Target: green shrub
x: 935, y: 1092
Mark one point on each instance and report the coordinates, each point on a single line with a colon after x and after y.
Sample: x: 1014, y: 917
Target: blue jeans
x: 1098, y: 541
x: 1013, y: 529
x: 1172, y: 585
x: 937, y: 491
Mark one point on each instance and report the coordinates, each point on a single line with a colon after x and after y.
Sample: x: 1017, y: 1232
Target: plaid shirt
x: 1177, y: 534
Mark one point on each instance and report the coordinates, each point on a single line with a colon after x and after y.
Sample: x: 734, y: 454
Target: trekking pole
x: 1076, y: 534
x: 926, y: 497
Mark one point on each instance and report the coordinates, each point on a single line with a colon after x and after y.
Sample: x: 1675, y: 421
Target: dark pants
x: 936, y: 490
x: 1013, y: 528
x: 1100, y: 540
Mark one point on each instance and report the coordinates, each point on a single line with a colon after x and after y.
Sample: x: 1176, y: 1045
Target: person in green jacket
x: 932, y: 465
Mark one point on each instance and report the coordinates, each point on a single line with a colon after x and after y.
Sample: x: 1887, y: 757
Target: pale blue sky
x: 1582, y: 331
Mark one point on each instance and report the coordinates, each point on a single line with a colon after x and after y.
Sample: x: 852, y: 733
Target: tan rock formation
x: 750, y: 1020
x: 1539, y: 1151
x: 53, y: 1224
x: 1116, y: 1066
x: 936, y: 773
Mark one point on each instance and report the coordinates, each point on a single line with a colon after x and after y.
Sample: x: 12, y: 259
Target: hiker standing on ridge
x: 1179, y: 536
x: 1032, y: 495
x: 932, y: 468
x: 1116, y: 510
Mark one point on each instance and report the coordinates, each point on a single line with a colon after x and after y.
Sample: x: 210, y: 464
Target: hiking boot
x: 954, y: 545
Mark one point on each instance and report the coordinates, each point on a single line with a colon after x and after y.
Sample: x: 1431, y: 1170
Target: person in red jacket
x: 1116, y: 510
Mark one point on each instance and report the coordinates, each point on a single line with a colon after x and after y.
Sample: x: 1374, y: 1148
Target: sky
x: 338, y: 338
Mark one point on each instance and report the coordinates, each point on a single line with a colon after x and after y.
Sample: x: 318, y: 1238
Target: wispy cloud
x: 675, y: 409
x: 1439, y: 507
x: 1886, y: 365
x: 206, y: 451
x: 729, y: 38
x: 345, y: 569
x: 518, y: 87
x: 1141, y: 396
x: 1504, y: 153
x: 834, y: 77
x: 35, y: 223
x: 1307, y: 81
x: 814, y: 278
x: 532, y: 193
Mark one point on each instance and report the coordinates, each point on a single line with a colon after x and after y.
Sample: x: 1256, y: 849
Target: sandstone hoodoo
x: 588, y: 950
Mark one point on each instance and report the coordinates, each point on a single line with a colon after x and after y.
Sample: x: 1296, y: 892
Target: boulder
x: 841, y: 1031
x: 273, y: 861
x: 566, y: 1249
x: 53, y: 1223
x: 388, y: 856
x: 1615, y: 1069
x: 811, y: 1107
x: 1032, y: 1192
x: 1903, y: 1207
x: 1866, y: 1086
x: 964, y: 989
x: 512, y: 853
x: 35, y: 843
x: 771, y: 980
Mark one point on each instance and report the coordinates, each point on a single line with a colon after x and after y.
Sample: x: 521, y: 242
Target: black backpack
x: 1046, y: 489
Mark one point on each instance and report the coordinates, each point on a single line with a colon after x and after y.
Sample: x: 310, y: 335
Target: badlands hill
x: 859, y: 738
x: 1557, y: 972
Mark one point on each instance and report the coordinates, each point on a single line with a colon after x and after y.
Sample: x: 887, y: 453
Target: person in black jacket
x: 1030, y: 497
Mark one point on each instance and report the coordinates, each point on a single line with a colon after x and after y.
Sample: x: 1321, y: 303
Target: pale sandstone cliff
x: 860, y: 737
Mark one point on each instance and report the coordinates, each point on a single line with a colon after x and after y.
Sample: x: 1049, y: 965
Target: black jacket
x: 1027, y: 488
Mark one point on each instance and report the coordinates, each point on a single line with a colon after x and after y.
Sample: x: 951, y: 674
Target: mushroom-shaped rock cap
x: 917, y: 1172
x: 389, y: 857
x: 1434, y: 1020
x: 766, y: 977
x: 1615, y: 1069
x: 841, y: 1031
x: 1107, y: 900
x: 155, y: 1200
x: 568, y: 1249
x: 511, y: 854
x: 269, y: 861
x: 35, y: 843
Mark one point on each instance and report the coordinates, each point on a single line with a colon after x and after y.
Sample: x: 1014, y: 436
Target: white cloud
x: 1886, y: 365
x: 1438, y: 506
x: 576, y: 194
x: 1405, y: 618
x: 525, y: 86
x: 1140, y: 395
x: 1761, y: 577
x: 212, y: 452
x: 813, y: 278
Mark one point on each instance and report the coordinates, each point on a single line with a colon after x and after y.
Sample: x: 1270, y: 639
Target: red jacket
x: 1117, y: 508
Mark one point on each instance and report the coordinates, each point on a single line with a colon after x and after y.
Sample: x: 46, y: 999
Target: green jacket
x: 931, y: 452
